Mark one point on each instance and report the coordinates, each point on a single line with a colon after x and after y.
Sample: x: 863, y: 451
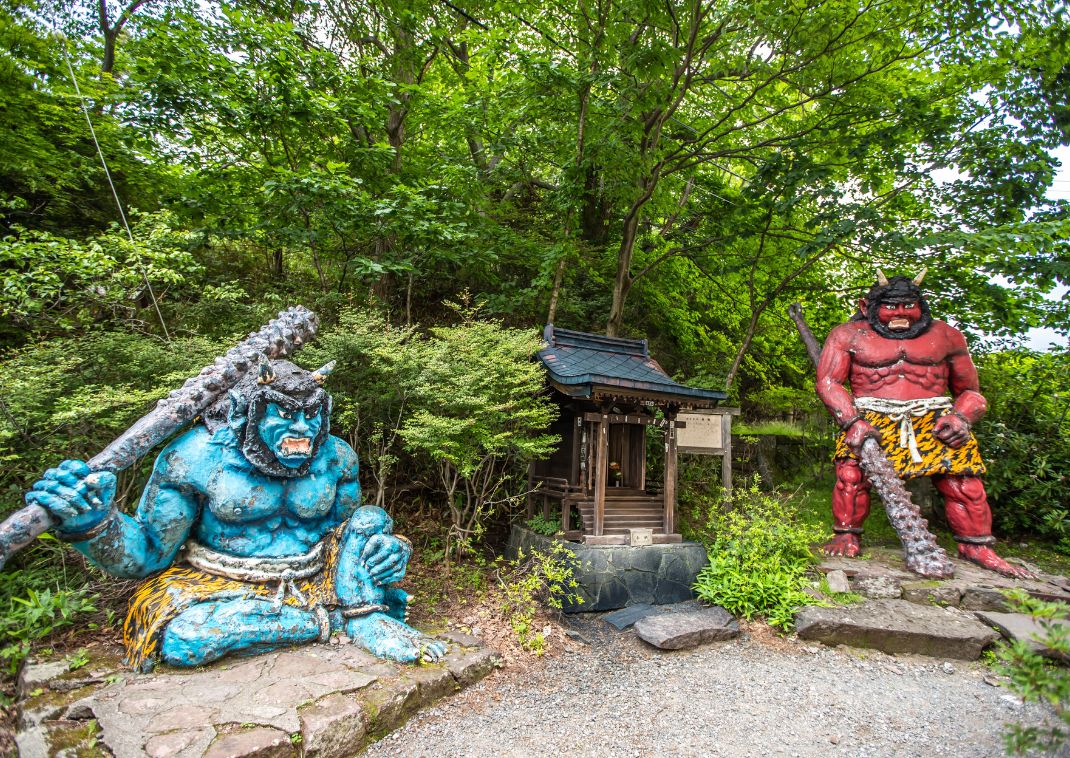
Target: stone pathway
x: 316, y: 700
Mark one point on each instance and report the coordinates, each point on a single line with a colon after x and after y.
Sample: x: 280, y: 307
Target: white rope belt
x: 285, y: 570
x: 902, y: 412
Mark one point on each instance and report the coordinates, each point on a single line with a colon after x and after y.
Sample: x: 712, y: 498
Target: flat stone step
x: 678, y: 631
x: 898, y: 626
x: 1021, y: 626
x: 625, y: 617
x: 330, y: 700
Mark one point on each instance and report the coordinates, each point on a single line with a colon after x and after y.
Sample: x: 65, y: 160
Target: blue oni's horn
x: 321, y: 374
x: 267, y: 375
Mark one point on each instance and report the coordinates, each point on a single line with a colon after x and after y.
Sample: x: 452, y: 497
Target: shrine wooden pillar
x: 601, y: 449
x: 670, y: 473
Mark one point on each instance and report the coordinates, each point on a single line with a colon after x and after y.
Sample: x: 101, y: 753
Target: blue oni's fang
x: 250, y: 532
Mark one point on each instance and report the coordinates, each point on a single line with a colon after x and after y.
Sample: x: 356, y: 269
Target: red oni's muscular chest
x: 902, y: 369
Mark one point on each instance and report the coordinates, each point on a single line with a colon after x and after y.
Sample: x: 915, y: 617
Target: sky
x: 1041, y: 339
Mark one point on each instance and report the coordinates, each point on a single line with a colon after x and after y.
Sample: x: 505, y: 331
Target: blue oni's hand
x: 77, y: 498
x: 386, y: 557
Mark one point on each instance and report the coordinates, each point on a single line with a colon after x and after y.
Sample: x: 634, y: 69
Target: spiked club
x: 278, y: 339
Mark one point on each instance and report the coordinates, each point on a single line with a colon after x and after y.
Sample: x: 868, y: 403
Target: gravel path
x: 755, y: 696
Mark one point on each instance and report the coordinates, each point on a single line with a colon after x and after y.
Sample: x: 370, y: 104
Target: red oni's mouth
x: 899, y: 324
x: 295, y: 446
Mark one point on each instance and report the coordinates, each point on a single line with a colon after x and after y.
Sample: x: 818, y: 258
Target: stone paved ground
x: 316, y: 700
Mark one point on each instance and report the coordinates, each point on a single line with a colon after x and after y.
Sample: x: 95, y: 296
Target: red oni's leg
x: 850, y: 506
x: 971, y: 522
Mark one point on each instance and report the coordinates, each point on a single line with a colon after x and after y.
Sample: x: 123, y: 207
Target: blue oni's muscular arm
x: 136, y: 546
x: 344, y: 461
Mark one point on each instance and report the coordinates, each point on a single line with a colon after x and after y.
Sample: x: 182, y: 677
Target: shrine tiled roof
x: 585, y: 365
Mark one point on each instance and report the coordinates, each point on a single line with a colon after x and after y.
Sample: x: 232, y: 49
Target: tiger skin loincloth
x: 161, y: 598
x: 906, y: 429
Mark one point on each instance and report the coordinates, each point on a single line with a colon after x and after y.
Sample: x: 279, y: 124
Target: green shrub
x: 38, y: 601
x: 1038, y: 679
x: 542, y: 525
x: 533, y: 578
x: 482, y: 414
x: 1025, y: 438
x: 759, y: 554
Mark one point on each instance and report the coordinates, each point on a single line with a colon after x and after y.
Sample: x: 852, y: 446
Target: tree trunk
x: 559, y: 277
x: 623, y: 281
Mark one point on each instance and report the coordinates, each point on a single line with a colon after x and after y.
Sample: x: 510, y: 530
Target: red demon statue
x: 899, y: 362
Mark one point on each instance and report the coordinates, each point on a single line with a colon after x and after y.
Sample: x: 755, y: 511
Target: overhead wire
x: 114, y: 192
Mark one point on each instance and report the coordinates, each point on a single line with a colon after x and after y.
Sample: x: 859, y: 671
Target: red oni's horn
x: 921, y: 275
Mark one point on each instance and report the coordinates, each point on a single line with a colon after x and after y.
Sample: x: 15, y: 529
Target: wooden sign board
x: 709, y: 433
x: 704, y: 433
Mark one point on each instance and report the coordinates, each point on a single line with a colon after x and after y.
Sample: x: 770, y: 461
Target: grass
x: 814, y: 500
x: 762, y: 428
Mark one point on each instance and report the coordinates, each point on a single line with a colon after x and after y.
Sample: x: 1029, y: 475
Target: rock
x: 878, y: 587
x: 982, y: 598
x: 931, y: 593
x: 37, y: 675
x: 468, y: 667
x: 838, y: 581
x: 1021, y: 626
x: 676, y: 631
x: 572, y: 634
x: 259, y: 742
x: 897, y: 626
x: 173, y: 743
x: 335, y: 726
x: 460, y: 638
x: 625, y: 617
x: 948, y: 668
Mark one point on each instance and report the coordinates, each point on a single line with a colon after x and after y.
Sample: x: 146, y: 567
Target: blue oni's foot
x: 208, y: 631
x: 386, y: 637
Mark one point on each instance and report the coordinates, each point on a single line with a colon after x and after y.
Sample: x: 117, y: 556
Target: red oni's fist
x: 859, y: 432
x: 952, y: 429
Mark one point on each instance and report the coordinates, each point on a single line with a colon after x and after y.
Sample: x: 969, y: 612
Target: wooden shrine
x: 610, y: 391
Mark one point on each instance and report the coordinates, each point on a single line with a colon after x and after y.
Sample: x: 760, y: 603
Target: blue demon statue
x: 253, y: 519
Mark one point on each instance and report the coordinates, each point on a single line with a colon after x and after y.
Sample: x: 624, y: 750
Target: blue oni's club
x: 250, y: 533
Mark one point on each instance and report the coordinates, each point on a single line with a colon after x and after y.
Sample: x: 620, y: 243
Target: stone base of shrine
x: 617, y: 576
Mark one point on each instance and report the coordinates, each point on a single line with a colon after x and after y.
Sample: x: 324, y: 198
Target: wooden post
x: 670, y: 477
x: 726, y: 460
x: 530, y: 510
x: 600, y: 468
x: 577, y: 451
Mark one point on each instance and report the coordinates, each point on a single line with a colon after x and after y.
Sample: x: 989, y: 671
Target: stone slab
x: 625, y: 617
x: 882, y: 573
x: 618, y: 576
x: 317, y: 700
x: 1021, y: 626
x: 931, y: 592
x: 897, y: 626
x: 678, y: 631
x: 878, y: 587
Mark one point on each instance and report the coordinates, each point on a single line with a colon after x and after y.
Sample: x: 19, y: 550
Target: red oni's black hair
x: 899, y: 289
